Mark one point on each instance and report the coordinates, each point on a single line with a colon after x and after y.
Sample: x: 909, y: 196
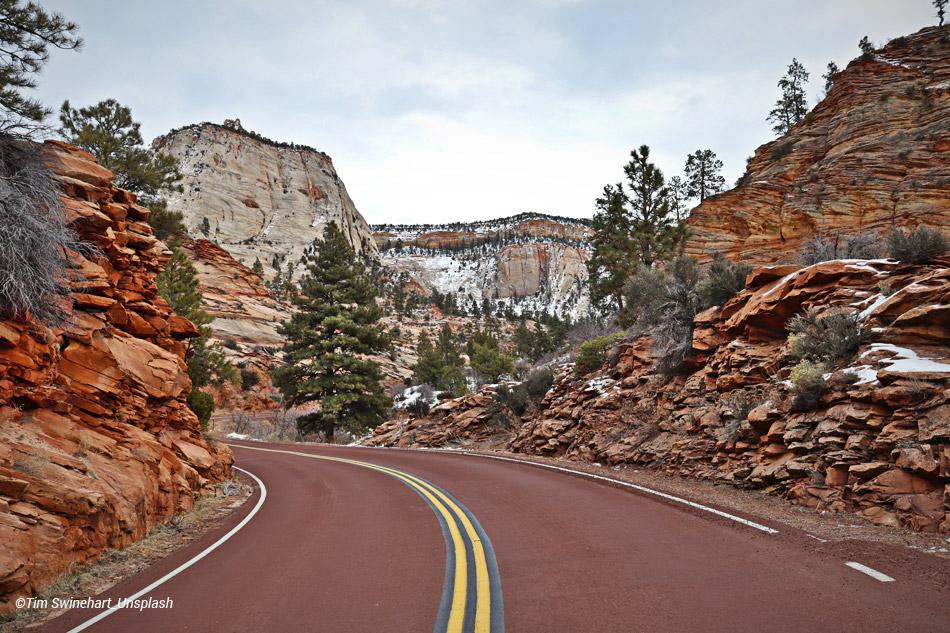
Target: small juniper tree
x: 941, y: 6
x: 328, y: 341
x: 867, y: 48
x: 792, y: 106
x: 702, y: 174
x: 829, y: 76
x: 207, y: 362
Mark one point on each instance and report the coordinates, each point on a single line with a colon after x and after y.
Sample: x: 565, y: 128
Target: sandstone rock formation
x: 878, y: 443
x: 874, y: 152
x: 262, y: 199
x: 530, y: 262
x: 98, y: 445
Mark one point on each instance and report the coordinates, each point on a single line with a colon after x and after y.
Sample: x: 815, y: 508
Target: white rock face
x: 261, y: 199
x: 531, y: 263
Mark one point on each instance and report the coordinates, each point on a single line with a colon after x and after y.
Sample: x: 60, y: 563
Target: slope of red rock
x: 878, y: 444
x: 98, y: 445
x: 874, y: 152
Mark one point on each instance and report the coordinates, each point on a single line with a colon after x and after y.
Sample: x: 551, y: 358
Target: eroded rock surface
x: 874, y: 153
x: 98, y: 445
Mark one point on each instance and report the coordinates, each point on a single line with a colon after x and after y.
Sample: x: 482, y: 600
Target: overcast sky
x: 444, y: 110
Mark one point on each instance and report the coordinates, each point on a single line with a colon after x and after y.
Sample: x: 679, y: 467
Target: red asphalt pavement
x: 340, y: 548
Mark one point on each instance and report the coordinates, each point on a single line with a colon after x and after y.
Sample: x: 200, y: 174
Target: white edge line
x: 692, y: 504
x: 186, y: 565
x: 873, y: 573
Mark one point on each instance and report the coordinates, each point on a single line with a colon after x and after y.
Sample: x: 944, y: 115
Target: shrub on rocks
x: 918, y: 246
x: 833, y: 337
x: 592, y: 354
x: 808, y: 384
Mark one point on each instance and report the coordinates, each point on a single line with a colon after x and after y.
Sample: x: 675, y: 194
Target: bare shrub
x: 833, y: 337
x: 34, y: 265
x: 918, y: 246
x: 823, y: 248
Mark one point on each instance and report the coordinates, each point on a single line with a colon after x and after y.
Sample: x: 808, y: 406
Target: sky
x: 458, y: 110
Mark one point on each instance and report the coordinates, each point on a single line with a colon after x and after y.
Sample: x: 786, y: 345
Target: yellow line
x: 483, y: 592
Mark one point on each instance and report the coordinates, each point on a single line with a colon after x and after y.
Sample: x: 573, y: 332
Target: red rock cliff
x: 875, y: 151
x: 98, y: 445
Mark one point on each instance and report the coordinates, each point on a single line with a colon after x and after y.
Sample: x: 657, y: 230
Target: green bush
x: 723, y: 279
x: 834, y: 337
x: 920, y: 245
x: 515, y: 399
x: 202, y: 404
x: 419, y: 407
x: 538, y: 382
x: 230, y: 343
x: 249, y: 378
x: 808, y: 384
x: 592, y: 354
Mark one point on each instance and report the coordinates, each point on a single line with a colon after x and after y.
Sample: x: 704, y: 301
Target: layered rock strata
x: 98, y: 445
x: 531, y: 263
x: 874, y: 153
x: 878, y: 442
x: 261, y: 199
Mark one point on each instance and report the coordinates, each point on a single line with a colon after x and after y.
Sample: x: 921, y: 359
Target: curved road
x: 365, y: 540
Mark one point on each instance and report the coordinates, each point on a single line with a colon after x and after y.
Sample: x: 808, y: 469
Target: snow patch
x: 907, y: 361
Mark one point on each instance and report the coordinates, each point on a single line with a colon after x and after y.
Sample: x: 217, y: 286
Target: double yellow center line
x: 463, y: 529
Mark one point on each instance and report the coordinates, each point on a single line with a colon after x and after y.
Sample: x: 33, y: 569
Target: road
x: 364, y: 540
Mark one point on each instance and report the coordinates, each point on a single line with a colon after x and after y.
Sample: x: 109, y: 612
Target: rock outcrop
x: 878, y: 443
x: 874, y: 153
x: 531, y: 263
x: 98, y: 445
x: 262, y: 200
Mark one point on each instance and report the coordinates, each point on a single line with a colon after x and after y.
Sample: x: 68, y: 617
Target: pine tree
x: 632, y: 227
x: 829, y: 76
x: 867, y: 48
x: 612, y: 257
x: 107, y: 131
x: 26, y: 34
x: 941, y: 6
x: 702, y: 174
x: 791, y: 107
x: 207, y: 362
x: 428, y: 367
x: 328, y: 339
x: 678, y: 196
x: 258, y: 267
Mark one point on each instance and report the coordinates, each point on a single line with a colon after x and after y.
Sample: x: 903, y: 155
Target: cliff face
x: 874, y: 152
x: 529, y: 262
x: 97, y: 444
x: 261, y: 199
x: 878, y: 442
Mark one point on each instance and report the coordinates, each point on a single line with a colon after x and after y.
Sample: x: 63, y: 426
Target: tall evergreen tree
x: 792, y: 106
x: 106, y: 130
x: 678, y: 196
x: 26, y: 34
x: 207, y: 362
x: 328, y: 339
x: 612, y: 257
x: 632, y: 228
x: 702, y: 174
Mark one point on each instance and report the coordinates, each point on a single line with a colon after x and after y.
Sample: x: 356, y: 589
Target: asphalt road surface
x: 365, y: 540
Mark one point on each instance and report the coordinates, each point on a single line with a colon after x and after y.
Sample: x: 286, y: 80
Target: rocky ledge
x: 98, y: 445
x: 878, y: 442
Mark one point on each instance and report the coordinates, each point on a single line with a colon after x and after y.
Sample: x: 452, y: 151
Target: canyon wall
x: 874, y: 153
x: 97, y: 443
x: 262, y: 200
